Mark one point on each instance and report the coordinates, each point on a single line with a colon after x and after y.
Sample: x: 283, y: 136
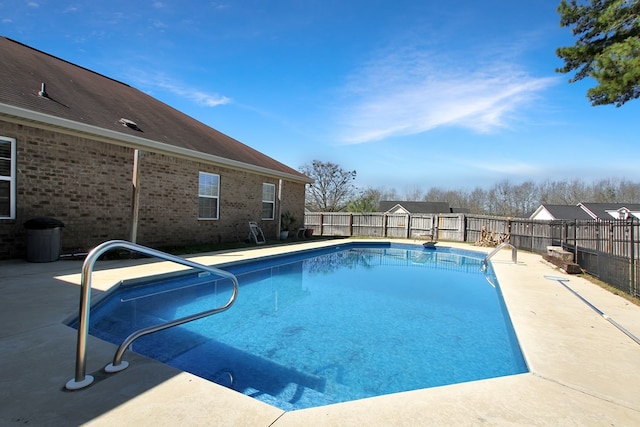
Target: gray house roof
x: 601, y: 210
x: 48, y: 91
x: 415, y: 207
x: 564, y: 211
x: 586, y: 211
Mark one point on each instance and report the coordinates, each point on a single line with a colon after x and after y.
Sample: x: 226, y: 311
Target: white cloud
x: 159, y: 25
x: 163, y: 82
x: 411, y: 92
x: 220, y: 6
x: 506, y: 167
x: 200, y: 97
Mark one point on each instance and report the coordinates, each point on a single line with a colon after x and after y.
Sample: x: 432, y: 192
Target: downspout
x: 135, y: 205
x: 279, y: 210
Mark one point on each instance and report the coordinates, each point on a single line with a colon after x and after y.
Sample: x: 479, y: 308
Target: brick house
x: 111, y: 162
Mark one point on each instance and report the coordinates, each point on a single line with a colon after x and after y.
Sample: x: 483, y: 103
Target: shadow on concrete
x: 38, y: 352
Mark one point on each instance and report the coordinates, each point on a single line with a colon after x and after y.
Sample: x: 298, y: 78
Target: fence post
x: 321, y: 224
x: 350, y: 224
x: 407, y: 227
x: 575, y: 241
x: 464, y: 227
x: 384, y: 225
x: 532, y: 234
x: 632, y: 259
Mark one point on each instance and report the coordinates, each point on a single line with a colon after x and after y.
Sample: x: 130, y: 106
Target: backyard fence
x: 608, y: 250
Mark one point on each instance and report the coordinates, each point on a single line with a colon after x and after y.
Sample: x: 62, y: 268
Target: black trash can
x: 43, y: 239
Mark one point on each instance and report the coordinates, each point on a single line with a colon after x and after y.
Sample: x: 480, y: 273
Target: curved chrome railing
x: 82, y: 380
x: 514, y: 254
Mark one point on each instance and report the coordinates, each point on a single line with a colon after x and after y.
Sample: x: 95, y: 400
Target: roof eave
x: 539, y: 210
x: 82, y: 129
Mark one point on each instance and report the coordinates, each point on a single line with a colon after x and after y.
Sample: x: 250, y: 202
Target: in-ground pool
x: 329, y: 325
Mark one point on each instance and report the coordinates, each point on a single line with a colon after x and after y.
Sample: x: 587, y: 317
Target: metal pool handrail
x: 82, y: 380
x: 514, y: 254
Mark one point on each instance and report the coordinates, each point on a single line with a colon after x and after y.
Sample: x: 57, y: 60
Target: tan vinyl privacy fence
x: 609, y: 250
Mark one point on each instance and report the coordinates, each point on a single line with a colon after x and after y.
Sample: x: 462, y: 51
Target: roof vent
x: 43, y: 92
x: 130, y: 124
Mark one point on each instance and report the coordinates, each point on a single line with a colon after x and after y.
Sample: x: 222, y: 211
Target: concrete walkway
x: 584, y: 371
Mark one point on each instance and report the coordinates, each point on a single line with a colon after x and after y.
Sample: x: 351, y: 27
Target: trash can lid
x: 42, y: 223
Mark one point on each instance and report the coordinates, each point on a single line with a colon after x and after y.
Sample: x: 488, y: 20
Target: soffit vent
x: 130, y: 124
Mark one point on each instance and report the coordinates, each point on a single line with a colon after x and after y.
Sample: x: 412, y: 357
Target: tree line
x: 335, y: 190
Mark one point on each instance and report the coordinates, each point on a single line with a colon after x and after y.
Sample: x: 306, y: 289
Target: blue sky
x: 411, y: 94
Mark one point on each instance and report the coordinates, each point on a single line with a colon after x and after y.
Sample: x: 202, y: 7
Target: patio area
x: 583, y: 370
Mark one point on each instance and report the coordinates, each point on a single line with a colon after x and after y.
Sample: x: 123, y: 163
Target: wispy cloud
x: 159, y: 25
x: 160, y: 81
x: 410, y: 92
x: 515, y: 168
x: 220, y: 6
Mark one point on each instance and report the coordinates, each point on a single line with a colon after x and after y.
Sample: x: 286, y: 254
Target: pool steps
x: 81, y: 379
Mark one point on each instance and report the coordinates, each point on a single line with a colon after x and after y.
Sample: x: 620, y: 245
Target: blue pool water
x: 328, y: 326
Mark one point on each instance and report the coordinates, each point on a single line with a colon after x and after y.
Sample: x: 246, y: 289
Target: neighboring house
x: 111, y: 162
x: 586, y: 211
x: 611, y: 210
x: 558, y: 212
x: 406, y: 207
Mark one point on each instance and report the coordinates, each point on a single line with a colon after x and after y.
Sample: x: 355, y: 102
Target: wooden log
x: 567, y: 266
x: 558, y: 252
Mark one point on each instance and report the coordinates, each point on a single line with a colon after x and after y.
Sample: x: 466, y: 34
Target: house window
x: 268, y: 201
x: 7, y: 178
x: 208, y: 196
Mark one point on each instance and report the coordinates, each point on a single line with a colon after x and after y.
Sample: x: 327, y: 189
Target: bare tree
x: 563, y: 192
x: 413, y: 194
x: 519, y: 200
x: 629, y: 192
x: 477, y: 201
x: 526, y: 199
x: 332, y: 189
x: 365, y: 202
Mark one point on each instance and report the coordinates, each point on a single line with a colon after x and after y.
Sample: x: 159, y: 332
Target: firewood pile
x: 490, y: 239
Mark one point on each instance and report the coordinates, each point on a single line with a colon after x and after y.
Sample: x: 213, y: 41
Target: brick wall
x: 88, y: 186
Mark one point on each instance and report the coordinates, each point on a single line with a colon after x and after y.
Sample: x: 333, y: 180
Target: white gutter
x: 118, y: 138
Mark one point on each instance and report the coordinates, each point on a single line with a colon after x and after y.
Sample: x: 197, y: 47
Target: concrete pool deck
x: 583, y: 370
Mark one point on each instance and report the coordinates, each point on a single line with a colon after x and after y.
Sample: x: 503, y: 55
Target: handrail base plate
x: 111, y: 368
x: 77, y: 385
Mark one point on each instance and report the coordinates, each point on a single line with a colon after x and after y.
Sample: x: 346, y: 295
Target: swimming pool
x: 327, y: 326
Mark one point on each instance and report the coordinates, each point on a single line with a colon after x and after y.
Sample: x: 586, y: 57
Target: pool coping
x: 583, y: 371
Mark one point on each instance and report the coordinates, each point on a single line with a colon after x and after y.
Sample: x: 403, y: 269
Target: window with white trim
x: 268, y: 201
x: 208, y: 195
x: 7, y: 178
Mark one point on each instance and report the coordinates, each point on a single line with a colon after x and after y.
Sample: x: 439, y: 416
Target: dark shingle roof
x: 83, y: 96
x: 415, y: 207
x: 600, y: 209
x: 567, y: 212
